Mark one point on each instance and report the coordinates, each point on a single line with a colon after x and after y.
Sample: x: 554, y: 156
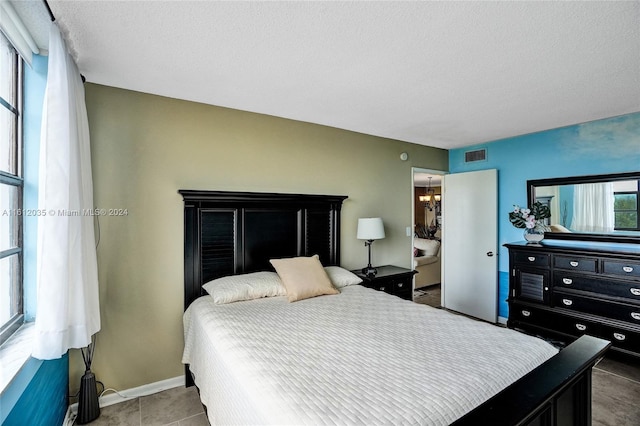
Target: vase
x: 534, y: 235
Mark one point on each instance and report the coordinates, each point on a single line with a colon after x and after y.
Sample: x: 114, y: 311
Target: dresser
x: 390, y: 279
x: 564, y: 289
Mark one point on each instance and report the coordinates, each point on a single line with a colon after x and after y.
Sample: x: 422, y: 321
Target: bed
x: 350, y: 357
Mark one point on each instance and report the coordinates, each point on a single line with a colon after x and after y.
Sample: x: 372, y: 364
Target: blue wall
x: 38, y: 393
x: 598, y: 147
x: 37, y: 396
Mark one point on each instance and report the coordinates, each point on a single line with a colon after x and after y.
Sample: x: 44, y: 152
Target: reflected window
x: 626, y: 205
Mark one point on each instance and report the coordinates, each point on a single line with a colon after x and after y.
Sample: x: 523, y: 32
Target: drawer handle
x: 619, y: 336
x: 567, y: 281
x: 526, y: 313
x: 573, y: 263
x: 635, y: 315
x: 531, y: 258
x: 567, y: 302
x: 400, y: 284
x: 635, y: 291
x: 581, y: 327
x: 627, y: 269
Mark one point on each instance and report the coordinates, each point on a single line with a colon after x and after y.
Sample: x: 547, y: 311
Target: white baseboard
x: 126, y: 395
x: 70, y: 417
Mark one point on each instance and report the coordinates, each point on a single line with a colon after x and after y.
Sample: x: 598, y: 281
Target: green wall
x: 145, y: 148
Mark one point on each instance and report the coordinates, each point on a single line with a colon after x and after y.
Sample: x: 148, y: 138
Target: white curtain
x: 593, y: 208
x: 68, y: 311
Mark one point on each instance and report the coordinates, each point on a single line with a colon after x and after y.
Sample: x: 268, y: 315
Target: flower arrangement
x: 530, y: 218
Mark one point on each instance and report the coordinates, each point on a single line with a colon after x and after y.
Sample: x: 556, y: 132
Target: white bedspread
x: 359, y: 357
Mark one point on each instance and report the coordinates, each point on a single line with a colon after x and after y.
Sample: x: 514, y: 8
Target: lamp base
x: 369, y: 271
x: 88, y: 406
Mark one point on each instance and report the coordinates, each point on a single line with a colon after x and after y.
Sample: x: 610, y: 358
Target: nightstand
x: 390, y: 279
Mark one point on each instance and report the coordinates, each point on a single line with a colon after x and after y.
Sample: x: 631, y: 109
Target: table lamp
x: 370, y: 229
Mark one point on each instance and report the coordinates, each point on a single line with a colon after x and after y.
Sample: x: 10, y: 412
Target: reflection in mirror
x: 604, y: 205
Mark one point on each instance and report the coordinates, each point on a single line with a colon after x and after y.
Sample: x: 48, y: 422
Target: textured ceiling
x: 444, y: 74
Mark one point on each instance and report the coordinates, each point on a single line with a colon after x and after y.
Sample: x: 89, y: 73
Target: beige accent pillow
x: 303, y: 277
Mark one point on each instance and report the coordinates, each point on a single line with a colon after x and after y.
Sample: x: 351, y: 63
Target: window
x: 626, y: 206
x: 11, y: 184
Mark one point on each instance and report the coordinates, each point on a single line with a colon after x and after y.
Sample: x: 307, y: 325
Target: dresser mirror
x: 594, y: 207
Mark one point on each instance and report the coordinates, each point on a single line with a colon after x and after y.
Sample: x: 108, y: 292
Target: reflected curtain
x: 593, y: 208
x: 68, y: 312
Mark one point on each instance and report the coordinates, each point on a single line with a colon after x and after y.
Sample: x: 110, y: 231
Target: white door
x: 469, y: 243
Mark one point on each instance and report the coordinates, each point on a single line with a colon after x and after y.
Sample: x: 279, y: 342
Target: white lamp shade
x: 370, y: 228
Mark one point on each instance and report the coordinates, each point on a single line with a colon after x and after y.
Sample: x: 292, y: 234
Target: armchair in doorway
x: 426, y: 261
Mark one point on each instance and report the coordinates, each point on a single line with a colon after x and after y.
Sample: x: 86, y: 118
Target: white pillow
x: 340, y: 277
x: 250, y: 286
x: 427, y: 247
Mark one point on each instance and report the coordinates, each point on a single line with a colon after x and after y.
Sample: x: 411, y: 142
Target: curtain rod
x: 53, y: 19
x: 46, y: 4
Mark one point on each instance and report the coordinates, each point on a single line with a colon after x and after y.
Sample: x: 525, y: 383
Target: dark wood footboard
x: 558, y: 392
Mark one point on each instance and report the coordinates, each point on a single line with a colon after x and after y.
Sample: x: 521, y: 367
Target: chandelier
x: 430, y: 198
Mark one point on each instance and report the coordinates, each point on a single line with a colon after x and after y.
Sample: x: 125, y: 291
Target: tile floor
x: 616, y: 390
x: 175, y: 407
x: 429, y: 295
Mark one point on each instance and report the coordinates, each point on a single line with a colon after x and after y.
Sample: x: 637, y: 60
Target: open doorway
x: 427, y: 235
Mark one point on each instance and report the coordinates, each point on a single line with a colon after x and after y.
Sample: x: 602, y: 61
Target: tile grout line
x: 617, y: 375
x: 194, y: 415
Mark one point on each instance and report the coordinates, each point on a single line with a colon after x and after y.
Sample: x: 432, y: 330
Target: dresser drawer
x: 614, y: 310
x: 583, y: 264
x: 532, y: 259
x: 554, y: 321
x: 599, y: 285
x: 380, y: 285
x: 621, y: 338
x: 625, y: 269
x: 401, y: 285
x: 576, y: 326
x: 533, y: 316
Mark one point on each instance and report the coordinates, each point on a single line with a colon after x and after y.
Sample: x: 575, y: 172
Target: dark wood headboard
x: 228, y: 233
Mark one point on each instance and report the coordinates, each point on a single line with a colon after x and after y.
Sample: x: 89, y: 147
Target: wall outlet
x: 408, y: 231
